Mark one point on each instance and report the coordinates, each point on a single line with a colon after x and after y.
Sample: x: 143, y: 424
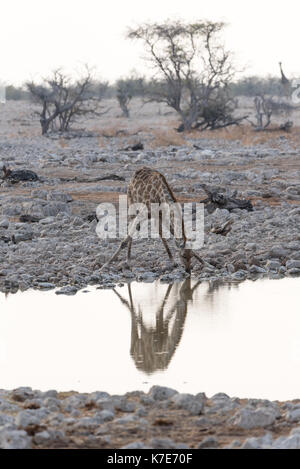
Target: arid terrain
x: 61, y: 249
x: 58, y: 248
x: 162, y: 418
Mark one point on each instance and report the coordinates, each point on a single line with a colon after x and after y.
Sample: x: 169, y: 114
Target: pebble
x: 161, y: 393
x: 64, y: 234
x: 188, y: 402
x: 261, y: 417
x: 209, y: 442
x: 293, y: 415
x: 14, y: 439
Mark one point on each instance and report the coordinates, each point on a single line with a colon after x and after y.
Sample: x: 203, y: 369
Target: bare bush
x: 126, y: 89
x: 265, y: 107
x: 16, y: 93
x: 63, y: 100
x: 193, y: 71
x: 263, y: 113
x: 124, y: 96
x: 256, y: 86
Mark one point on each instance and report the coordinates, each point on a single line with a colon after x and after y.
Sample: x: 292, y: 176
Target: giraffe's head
x: 186, y: 257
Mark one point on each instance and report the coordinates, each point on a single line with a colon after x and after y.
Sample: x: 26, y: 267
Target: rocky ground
x: 61, y: 248
x: 162, y: 418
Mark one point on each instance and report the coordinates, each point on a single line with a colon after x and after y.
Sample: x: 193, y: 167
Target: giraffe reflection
x: 152, y: 347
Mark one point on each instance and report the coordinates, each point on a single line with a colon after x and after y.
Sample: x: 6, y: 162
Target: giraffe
x: 152, y: 347
x: 285, y: 82
x: 149, y: 186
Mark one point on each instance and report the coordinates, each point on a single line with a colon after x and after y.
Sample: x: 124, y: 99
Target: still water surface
x: 243, y: 339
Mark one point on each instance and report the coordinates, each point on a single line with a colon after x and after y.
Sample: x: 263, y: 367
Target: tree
x: 63, y: 100
x: 193, y: 71
x: 126, y: 89
x: 16, y: 93
x: 253, y: 86
x: 124, y: 96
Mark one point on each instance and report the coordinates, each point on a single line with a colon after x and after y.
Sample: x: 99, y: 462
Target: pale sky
x: 37, y: 37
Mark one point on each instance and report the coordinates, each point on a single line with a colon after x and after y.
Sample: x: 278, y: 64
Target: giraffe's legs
x: 164, y: 241
x: 203, y: 262
x: 167, y: 248
x: 129, y: 249
x: 115, y: 255
x: 122, y: 245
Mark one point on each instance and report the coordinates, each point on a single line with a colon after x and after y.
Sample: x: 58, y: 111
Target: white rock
x: 160, y: 393
x: 14, y: 439
x: 261, y: 417
x: 292, y: 442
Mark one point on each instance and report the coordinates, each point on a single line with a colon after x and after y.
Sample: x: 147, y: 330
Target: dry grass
x: 145, y: 125
x: 62, y: 143
x: 154, y: 137
x: 114, y: 130
x: 167, y: 137
x: 247, y: 136
x: 150, y: 135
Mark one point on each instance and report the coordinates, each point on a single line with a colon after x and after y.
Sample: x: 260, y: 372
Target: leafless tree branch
x: 194, y: 71
x: 63, y: 101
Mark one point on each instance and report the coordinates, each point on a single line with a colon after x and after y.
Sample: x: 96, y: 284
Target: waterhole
x: 241, y: 339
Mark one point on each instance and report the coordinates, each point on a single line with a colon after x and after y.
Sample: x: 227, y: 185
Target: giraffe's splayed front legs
x: 122, y: 245
x: 170, y: 255
x: 129, y: 250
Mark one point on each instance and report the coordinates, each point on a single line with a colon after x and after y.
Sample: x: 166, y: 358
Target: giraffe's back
x: 149, y: 186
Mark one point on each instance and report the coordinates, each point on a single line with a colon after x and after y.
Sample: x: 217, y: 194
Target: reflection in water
x: 152, y: 347
x: 215, y: 288
x: 243, y: 339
